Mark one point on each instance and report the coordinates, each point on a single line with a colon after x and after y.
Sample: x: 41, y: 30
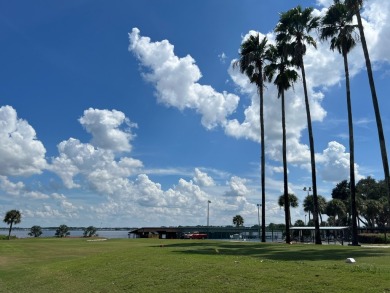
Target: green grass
x: 144, y: 265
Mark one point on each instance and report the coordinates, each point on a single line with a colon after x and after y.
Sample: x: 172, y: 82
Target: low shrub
x: 5, y: 237
x: 373, y: 238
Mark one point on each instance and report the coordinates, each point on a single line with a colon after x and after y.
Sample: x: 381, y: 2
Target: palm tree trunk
x: 262, y: 159
x: 312, y: 158
x: 285, y: 178
x: 381, y: 136
x: 351, y: 153
x: 9, y: 231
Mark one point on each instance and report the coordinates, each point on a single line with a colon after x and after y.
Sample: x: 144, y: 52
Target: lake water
x: 110, y: 234
x: 74, y: 233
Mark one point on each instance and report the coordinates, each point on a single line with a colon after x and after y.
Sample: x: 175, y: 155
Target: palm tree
x: 284, y: 79
x: 238, y: 220
x: 354, y: 6
x: 294, y: 26
x: 336, y: 26
x: 336, y: 208
x: 293, y: 202
x: 12, y: 217
x: 253, y: 54
x: 308, y: 205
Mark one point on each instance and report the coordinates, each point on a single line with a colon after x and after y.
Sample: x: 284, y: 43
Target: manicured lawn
x: 151, y: 265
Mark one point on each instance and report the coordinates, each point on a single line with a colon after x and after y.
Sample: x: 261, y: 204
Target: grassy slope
x: 142, y: 265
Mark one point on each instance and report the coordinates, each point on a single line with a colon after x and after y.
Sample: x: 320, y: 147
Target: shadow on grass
x: 281, y: 252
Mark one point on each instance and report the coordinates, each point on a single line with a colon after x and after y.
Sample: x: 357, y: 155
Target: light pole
x: 258, y: 217
x: 208, y: 213
x: 305, y: 219
x: 308, y: 189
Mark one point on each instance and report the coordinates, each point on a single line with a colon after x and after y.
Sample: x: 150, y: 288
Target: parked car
x: 194, y: 235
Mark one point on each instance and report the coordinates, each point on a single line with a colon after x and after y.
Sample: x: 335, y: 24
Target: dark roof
x: 155, y: 229
x: 321, y: 228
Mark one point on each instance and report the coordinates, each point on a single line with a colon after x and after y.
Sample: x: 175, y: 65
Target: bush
x: 5, y: 237
x: 373, y: 238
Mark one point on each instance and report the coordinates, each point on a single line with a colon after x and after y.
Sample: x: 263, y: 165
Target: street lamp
x: 208, y: 213
x: 308, y: 189
x: 208, y: 216
x: 258, y: 217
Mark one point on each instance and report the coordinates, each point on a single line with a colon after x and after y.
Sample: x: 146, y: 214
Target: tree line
x: 373, y: 209
x: 13, y: 217
x: 277, y: 63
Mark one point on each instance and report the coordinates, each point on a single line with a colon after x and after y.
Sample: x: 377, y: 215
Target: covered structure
x: 328, y: 233
x: 155, y: 232
x: 213, y: 232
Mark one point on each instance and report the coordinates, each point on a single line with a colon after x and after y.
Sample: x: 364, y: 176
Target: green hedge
x: 373, y: 238
x: 5, y: 237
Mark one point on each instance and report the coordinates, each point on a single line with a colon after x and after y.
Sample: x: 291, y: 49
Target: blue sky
x: 129, y: 113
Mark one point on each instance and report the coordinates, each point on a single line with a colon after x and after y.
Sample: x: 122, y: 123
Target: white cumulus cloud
x: 176, y: 81
x: 335, y: 162
x: 104, y: 127
x: 97, y: 163
x: 202, y: 179
x: 21, y: 153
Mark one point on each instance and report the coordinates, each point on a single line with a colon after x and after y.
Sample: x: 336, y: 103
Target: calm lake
x: 74, y: 233
x: 110, y: 234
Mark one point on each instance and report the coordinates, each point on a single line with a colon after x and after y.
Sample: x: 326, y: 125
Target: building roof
x: 321, y: 228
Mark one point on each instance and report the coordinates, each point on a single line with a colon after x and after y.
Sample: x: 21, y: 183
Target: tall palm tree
x: 295, y: 26
x: 336, y: 26
x: 285, y: 76
x: 354, y: 6
x: 293, y: 202
x: 12, y: 217
x: 253, y: 55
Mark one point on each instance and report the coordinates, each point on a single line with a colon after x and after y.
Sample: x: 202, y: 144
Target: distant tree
x: 308, y: 205
x: 62, y: 231
x: 293, y: 200
x: 337, y: 211
x: 35, y: 231
x: 303, y: 233
x: 90, y: 231
x: 341, y: 191
x: 369, y: 188
x: 310, y: 223
x: 371, y: 202
x: 383, y: 217
x: 375, y: 212
x: 12, y: 217
x: 238, y: 220
x: 299, y: 223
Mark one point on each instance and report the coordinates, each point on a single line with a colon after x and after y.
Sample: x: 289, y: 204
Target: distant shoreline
x: 71, y: 228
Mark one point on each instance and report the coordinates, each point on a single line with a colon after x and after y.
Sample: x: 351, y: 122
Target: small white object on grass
x: 350, y: 260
